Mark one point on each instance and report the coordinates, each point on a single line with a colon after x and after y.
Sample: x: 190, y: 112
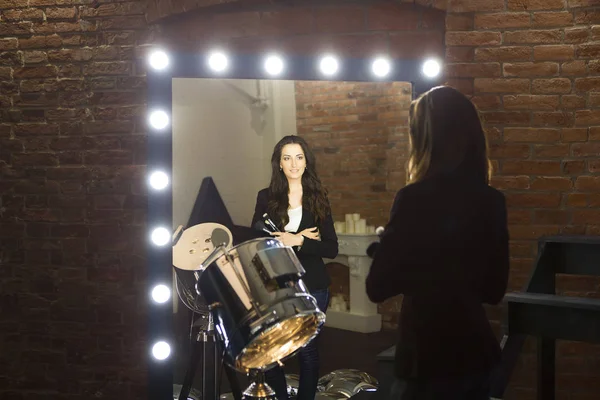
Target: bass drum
x: 262, y: 310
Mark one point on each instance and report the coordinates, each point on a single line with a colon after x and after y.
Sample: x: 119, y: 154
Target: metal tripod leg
x: 199, y: 348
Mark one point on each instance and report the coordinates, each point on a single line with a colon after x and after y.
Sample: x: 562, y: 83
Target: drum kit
x: 252, y: 297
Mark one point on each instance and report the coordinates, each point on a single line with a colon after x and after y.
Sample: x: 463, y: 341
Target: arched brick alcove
x: 371, y: 149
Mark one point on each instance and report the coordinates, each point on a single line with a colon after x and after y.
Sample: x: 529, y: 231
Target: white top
x: 295, y: 215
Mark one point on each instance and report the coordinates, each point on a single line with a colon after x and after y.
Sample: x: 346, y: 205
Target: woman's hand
x: 311, y: 233
x: 289, y: 239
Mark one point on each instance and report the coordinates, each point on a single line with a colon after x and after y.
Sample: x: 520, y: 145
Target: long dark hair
x: 314, y: 195
x: 446, y: 138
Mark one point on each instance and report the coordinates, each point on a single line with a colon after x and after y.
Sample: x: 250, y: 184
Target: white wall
x: 218, y: 132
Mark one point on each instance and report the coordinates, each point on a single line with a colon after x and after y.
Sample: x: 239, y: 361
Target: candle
x: 361, y: 226
x: 350, y: 226
x: 355, y: 217
x: 370, y: 229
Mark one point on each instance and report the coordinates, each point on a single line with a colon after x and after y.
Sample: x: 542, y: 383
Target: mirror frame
x: 160, y: 147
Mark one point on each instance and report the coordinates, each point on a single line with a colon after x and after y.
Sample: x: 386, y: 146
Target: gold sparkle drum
x: 262, y: 310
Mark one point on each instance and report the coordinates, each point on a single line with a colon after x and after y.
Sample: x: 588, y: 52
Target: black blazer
x: 446, y: 249
x: 312, y: 252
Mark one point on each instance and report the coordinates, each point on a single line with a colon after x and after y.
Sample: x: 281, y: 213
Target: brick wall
x: 71, y: 158
x: 349, y: 29
x: 532, y: 68
x: 72, y: 200
x: 358, y: 131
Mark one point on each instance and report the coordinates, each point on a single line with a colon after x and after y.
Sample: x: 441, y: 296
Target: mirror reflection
x: 269, y: 305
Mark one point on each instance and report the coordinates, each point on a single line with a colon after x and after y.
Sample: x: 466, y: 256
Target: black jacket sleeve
x: 327, y: 247
x: 495, y: 280
x: 261, y: 206
x: 384, y: 279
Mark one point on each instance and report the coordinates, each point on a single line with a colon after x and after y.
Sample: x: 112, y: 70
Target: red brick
x: 581, y: 3
x: 8, y: 44
x: 339, y: 19
x: 459, y: 22
x: 502, y: 20
x: 573, y: 167
x: 585, y: 149
x: 61, y: 13
x: 573, y: 102
x: 107, y: 68
x: 587, y: 84
x: 473, y: 38
x: 594, y: 100
x: 595, y: 33
x: 21, y: 130
x: 573, y: 68
x: 588, y: 183
x: 555, y: 85
x: 491, y: 85
x: 591, y: 50
x: 459, y: 54
x: 487, y: 102
x: 34, y: 159
x: 281, y: 22
x: 532, y: 199
x: 433, y: 19
x: 587, y: 117
x: 533, y: 36
x: 532, y: 135
x: 594, y: 66
x: 594, y: 133
x: 35, y: 72
x: 576, y: 200
x: 510, y: 53
x: 530, y: 102
x: 401, y: 44
x: 392, y: 17
x: 531, y: 5
x: 552, y: 19
x: 528, y: 69
x: 40, y: 42
x: 569, y: 135
x: 531, y: 231
x: 554, y: 118
x: 66, y: 55
x: 14, y: 29
x: 519, y: 216
x: 468, y: 5
x: 553, y: 52
x: 511, y: 182
x: 586, y: 216
x: 577, y: 35
x: 550, y: 168
x: 117, y: 23
x: 587, y: 16
x: 503, y: 150
x: 479, y: 70
x: 506, y: 117
x: 552, y: 217
x: 594, y: 168
x: 541, y: 151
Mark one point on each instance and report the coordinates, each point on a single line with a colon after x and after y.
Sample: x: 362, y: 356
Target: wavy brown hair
x: 446, y: 138
x: 314, y: 195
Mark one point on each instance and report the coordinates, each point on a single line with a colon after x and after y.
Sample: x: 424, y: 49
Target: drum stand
x: 258, y: 389
x: 209, y: 387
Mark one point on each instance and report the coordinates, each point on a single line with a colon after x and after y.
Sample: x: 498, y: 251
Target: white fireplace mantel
x: 362, y: 316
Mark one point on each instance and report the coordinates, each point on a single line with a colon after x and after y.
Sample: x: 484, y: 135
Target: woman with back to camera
x: 297, y: 203
x: 445, y: 248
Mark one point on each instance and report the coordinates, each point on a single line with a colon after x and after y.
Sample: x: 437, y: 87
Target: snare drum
x: 262, y: 311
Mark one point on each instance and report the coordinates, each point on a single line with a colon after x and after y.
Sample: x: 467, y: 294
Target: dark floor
x: 338, y: 349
